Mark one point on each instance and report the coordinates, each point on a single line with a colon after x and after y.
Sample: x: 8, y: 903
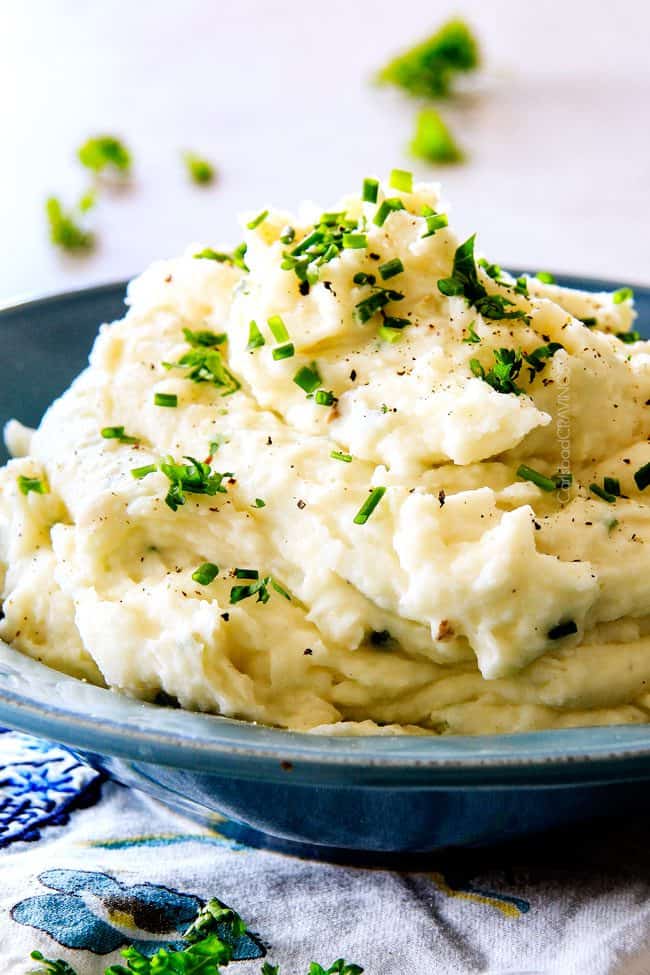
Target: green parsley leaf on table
x: 201, y: 171
x: 431, y: 67
x: 105, y: 152
x: 65, y: 230
x: 432, y: 139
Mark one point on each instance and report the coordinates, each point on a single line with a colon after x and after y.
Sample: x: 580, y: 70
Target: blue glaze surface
x: 314, y: 795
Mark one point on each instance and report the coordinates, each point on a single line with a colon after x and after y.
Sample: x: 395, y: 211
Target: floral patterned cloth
x: 88, y: 867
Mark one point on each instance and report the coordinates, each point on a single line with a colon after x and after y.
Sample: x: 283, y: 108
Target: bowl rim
x: 32, y: 700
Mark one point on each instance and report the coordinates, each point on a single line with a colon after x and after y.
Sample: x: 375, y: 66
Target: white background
x: 278, y: 94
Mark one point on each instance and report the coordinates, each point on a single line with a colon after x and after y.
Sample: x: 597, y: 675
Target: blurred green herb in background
x: 199, y: 170
x: 430, y: 70
x: 105, y: 152
x: 65, y: 230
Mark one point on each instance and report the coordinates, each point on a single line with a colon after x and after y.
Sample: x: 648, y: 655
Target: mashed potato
x: 347, y: 478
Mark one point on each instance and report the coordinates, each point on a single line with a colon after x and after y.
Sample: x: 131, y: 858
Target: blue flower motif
x: 95, y: 912
x: 40, y: 784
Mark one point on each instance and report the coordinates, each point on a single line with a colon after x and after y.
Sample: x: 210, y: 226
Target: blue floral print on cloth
x: 40, y: 785
x: 95, y: 912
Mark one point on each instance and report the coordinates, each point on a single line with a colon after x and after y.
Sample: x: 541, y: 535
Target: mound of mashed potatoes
x: 348, y: 477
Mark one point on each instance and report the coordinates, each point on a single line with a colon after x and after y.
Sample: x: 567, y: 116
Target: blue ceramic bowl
x: 316, y: 795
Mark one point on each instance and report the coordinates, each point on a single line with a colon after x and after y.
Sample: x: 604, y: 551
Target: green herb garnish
x: 642, y: 477
x: 236, y: 258
x: 139, y: 472
x: 256, y: 221
x: 354, y: 241
x: 259, y: 503
x: 204, y: 338
x: 612, y: 485
x: 603, y: 493
x: 325, y: 397
x: 255, y: 337
x: 493, y: 271
x: 430, y: 67
x: 628, y: 337
x: 538, y: 358
x: 339, y: 455
x: 205, y: 366
x: 433, y: 140
x: 556, y: 483
x: 284, y: 351
x: 390, y: 268
x: 401, y: 179
x: 117, y: 433
x: 472, y: 337
x: 501, y: 377
x: 590, y: 322
x: 36, y: 484
x: 369, y: 505
x: 370, y: 190
x: 200, y: 170
x: 464, y: 281
x: 308, y: 378
x: 369, y: 306
x: 562, y: 630
x: 105, y: 152
x: 435, y: 221
x: 623, y: 294
x: 545, y: 277
x: 197, y: 477
x: 165, y: 399
x: 53, y: 966
x: 384, y: 210
x: 206, y: 573
x: 65, y: 232
x: 257, y: 587
x: 278, y: 329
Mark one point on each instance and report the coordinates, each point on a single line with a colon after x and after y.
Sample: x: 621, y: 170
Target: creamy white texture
x: 433, y: 615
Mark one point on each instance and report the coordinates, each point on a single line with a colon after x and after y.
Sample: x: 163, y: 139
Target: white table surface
x: 278, y: 94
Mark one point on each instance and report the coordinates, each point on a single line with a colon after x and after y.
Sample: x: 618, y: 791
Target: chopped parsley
x: 165, y: 399
x: 401, y: 179
x: 555, y: 483
x: 501, y: 377
x: 433, y: 140
x: 562, y: 630
x: 259, y: 587
x: 308, y: 378
x: 642, y: 477
x: 390, y: 268
x: 256, y: 221
x: 623, y: 294
x: 255, y: 337
x: 204, y: 363
x: 493, y: 271
x: 206, y: 573
x: 339, y: 455
x: 200, y: 170
x: 197, y: 477
x: 117, y: 433
x: 105, y: 152
x: 36, y: 484
x: 472, y: 337
x: 464, y: 281
x: 370, y: 190
x: 259, y: 503
x: 521, y: 286
x: 65, y: 231
x: 390, y: 205
x: 430, y: 67
x: 369, y: 505
x: 538, y: 358
x: 204, y: 338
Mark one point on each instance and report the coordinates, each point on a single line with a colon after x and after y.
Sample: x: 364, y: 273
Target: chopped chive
x: 369, y: 505
x: 545, y: 277
x: 255, y: 337
x: 35, y: 484
x: 259, y: 503
x: 391, y: 268
x: 206, y: 573
x: 256, y: 221
x: 284, y: 351
x: 370, y: 190
x: 401, y: 179
x: 117, y: 433
x: 433, y: 140
x: 278, y: 588
x: 139, y: 472
x: 362, y: 278
x: 642, y: 477
x: 623, y: 294
x: 204, y: 338
x: 435, y: 221
x: 324, y: 397
x: 529, y: 474
x: 308, y: 378
x: 367, y: 307
x: 472, y: 336
x: 209, y: 254
x: 355, y: 241
x: 629, y: 337
x: 278, y: 328
x: 200, y: 170
x: 612, y: 485
x: 165, y: 399
x: 602, y: 493
x: 387, y: 207
x: 589, y: 322
x: 219, y: 439
x: 339, y: 455
x: 389, y: 333
x: 287, y: 235
x: 246, y: 574
x: 562, y: 629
